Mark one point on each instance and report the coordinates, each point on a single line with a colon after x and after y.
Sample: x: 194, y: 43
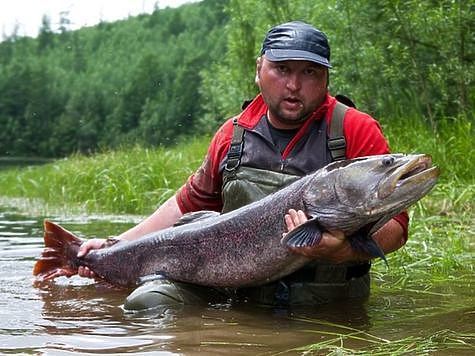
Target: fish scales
x: 236, y: 249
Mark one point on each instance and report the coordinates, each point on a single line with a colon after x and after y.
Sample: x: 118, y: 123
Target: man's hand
x: 333, y: 247
x: 93, y: 244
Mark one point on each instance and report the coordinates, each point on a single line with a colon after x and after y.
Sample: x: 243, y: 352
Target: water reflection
x: 78, y: 316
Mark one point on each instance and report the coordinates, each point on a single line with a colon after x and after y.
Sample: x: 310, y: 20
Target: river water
x: 77, y: 316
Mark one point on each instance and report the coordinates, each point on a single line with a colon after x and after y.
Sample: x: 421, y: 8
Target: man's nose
x: 293, y: 82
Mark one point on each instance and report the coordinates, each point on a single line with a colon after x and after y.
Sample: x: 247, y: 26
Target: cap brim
x: 277, y: 55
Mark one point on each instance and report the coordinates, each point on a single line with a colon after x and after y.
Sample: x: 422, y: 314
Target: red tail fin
x: 59, y: 255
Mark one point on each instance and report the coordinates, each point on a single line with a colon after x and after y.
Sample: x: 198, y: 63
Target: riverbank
x: 127, y: 181
x: 136, y: 180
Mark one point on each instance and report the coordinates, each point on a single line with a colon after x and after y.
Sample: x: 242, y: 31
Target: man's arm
x: 200, y: 192
x: 165, y: 216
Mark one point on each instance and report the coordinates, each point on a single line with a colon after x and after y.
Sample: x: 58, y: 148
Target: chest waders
x: 311, y: 285
x: 316, y: 283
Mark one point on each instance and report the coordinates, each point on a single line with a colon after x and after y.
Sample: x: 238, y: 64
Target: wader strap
x: 233, y: 158
x: 336, y: 139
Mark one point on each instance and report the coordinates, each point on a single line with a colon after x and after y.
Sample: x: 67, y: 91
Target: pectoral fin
x: 305, y: 235
x: 360, y: 241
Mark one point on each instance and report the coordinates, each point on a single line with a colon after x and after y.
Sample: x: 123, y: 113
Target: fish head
x: 350, y: 194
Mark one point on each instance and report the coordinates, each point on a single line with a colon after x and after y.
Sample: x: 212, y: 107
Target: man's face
x: 292, y: 89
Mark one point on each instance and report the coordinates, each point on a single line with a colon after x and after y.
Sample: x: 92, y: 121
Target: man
x: 281, y: 135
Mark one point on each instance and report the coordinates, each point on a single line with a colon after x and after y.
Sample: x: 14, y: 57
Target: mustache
x: 292, y: 98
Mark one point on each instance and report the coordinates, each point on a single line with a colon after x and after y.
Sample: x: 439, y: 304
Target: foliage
x: 394, y: 58
x: 130, y: 180
x: 128, y: 82
x: 153, y: 78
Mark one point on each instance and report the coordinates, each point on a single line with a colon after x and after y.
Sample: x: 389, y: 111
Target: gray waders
x: 166, y: 294
x: 312, y: 285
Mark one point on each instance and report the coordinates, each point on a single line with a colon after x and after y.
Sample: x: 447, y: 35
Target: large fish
x: 245, y: 247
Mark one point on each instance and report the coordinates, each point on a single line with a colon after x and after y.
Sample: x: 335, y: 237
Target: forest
x: 152, y: 80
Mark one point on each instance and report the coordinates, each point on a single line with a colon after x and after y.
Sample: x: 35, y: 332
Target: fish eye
x: 388, y: 161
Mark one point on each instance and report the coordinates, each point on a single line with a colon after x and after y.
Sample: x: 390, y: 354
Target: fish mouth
x: 416, y: 171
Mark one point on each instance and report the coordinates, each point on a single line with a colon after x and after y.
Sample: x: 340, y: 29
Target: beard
x: 293, y: 119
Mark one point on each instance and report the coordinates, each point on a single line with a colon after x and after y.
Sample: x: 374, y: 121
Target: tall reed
x: 129, y: 180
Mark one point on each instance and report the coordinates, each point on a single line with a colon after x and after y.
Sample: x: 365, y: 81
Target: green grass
x: 441, y: 341
x: 132, y: 181
x: 451, y: 146
x: 441, y: 241
x: 442, y: 230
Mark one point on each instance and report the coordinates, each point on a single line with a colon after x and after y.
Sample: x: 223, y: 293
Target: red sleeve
x: 364, y: 137
x: 202, y: 190
x: 403, y: 220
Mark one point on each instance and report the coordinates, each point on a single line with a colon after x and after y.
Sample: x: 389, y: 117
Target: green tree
x: 130, y: 81
x: 394, y: 58
x: 46, y: 35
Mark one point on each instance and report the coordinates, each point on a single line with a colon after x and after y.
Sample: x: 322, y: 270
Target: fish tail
x: 59, y: 257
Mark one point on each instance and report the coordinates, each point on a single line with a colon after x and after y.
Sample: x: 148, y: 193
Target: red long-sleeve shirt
x: 202, y: 191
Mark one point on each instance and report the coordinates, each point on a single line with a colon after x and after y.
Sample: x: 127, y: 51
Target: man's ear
x: 258, y: 69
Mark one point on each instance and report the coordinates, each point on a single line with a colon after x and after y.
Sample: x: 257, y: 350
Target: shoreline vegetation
x: 135, y: 180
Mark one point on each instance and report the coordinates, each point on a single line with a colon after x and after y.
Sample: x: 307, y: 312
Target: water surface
x: 78, y: 316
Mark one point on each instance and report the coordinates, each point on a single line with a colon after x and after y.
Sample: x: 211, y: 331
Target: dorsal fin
x: 196, y: 216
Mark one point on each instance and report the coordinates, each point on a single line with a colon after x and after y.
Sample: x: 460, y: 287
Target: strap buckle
x: 336, y: 143
x: 234, y: 156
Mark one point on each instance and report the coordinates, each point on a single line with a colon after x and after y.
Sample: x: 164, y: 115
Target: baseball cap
x: 296, y: 40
